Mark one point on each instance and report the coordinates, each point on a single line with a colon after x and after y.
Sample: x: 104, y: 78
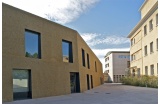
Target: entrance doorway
x: 91, y: 82
x: 88, y: 84
x: 21, y: 84
x: 74, y: 82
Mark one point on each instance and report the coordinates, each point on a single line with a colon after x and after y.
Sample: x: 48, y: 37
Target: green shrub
x: 143, y: 81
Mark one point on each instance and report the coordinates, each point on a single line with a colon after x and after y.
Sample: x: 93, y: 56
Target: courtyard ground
x: 108, y: 93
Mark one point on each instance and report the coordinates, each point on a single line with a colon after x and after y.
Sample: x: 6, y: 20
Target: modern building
x: 144, y: 41
x: 41, y: 58
x: 116, y: 62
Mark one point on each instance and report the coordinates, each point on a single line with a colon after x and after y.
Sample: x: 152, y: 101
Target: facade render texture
x: 41, y: 58
x: 116, y: 62
x: 144, y: 41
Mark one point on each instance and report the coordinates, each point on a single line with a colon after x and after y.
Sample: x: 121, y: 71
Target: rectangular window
x: 67, y: 51
x: 150, y: 25
x: 128, y: 64
x: 95, y: 66
x: 131, y: 57
x: 134, y: 40
x: 157, y: 43
x: 145, y: 50
x: 134, y: 57
x: 157, y: 68
x: 151, y: 47
x: 145, y: 30
x: 131, y: 42
x: 156, y: 19
x: 106, y: 60
x: 146, y: 70
x: 88, y: 61
x: 83, y: 58
x: 152, y: 69
x: 138, y: 72
x: 32, y: 44
x: 105, y: 65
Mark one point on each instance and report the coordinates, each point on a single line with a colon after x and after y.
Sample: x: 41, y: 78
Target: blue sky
x: 103, y: 24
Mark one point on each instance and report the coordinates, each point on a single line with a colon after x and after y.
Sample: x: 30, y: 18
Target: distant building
x: 41, y: 58
x: 116, y: 62
x: 144, y: 41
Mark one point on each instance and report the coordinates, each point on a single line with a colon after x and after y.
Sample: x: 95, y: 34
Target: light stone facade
x: 50, y: 76
x: 144, y: 41
x: 116, y: 62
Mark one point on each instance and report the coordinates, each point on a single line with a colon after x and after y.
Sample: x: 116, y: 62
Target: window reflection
x: 67, y: 51
x: 32, y: 44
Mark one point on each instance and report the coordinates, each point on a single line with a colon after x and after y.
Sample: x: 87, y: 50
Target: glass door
x: 74, y: 82
x: 21, y: 84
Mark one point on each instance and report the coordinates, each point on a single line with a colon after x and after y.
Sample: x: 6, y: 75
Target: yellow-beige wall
x: 148, y: 4
x: 141, y: 40
x: 50, y: 75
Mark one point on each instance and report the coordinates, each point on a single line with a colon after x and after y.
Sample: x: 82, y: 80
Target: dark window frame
x: 88, y: 62
x: 39, y: 43
x: 95, y: 66
x: 70, y: 50
x: 83, y: 58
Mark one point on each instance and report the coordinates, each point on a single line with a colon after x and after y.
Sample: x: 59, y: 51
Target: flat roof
x: 116, y: 52
x: 143, y: 5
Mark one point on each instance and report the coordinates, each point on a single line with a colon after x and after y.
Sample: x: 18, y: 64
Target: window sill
x: 150, y: 30
x: 145, y: 34
x: 151, y: 52
x: 146, y: 55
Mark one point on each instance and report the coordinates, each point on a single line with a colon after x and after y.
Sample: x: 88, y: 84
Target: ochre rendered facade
x: 50, y: 76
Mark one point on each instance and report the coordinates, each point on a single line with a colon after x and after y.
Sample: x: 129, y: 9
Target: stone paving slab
x: 108, y: 93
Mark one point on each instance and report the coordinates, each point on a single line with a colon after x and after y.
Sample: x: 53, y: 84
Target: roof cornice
x: 108, y: 53
x: 143, y: 5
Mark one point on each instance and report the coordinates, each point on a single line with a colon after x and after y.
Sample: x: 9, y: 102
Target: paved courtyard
x: 104, y: 94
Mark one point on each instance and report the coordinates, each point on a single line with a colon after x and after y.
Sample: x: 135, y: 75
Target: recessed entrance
x: 74, y: 82
x: 88, y: 83
x: 21, y: 84
x: 91, y: 82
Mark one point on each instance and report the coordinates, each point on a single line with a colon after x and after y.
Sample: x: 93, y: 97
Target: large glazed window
x: 67, y: 51
x: 32, y: 44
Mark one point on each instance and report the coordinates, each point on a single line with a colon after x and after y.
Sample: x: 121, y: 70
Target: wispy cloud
x: 93, y: 39
x: 61, y: 11
x: 107, y: 42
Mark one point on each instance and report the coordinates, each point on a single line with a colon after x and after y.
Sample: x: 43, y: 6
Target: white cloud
x: 100, y: 53
x: 93, y: 39
x: 61, y: 11
x: 89, y: 36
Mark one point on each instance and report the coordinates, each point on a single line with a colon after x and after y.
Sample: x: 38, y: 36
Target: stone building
x: 144, y: 41
x: 116, y: 62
